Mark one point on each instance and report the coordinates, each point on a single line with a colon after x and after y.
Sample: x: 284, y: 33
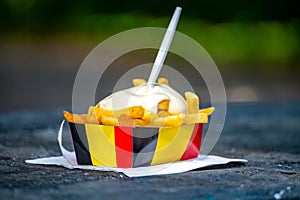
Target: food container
x: 128, y: 147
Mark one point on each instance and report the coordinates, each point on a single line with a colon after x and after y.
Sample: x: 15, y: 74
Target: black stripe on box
x: 80, y: 143
x: 144, y: 145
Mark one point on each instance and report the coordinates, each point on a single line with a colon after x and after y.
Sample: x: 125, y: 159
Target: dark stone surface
x: 267, y: 134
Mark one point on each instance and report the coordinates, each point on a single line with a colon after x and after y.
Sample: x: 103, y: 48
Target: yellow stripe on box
x: 101, y: 141
x: 172, y: 143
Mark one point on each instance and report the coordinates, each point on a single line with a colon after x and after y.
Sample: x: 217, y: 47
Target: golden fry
x: 208, y: 111
x: 91, y: 110
x: 91, y: 119
x: 107, y: 120
x: 192, y: 102
x: 139, y: 116
x: 136, y: 112
x: 101, y: 112
x: 163, y: 113
x: 80, y: 119
x: 138, y: 82
x: 162, y: 80
x: 98, y: 113
x: 149, y: 116
x: 68, y: 116
x: 158, y: 122
x: 74, y: 118
x: 110, y: 113
x: 195, y: 118
x: 174, y: 120
x: 140, y: 122
x: 125, y: 120
x: 169, y: 121
x: 163, y: 105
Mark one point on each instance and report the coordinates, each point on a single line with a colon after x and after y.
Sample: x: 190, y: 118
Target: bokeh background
x: 255, y: 44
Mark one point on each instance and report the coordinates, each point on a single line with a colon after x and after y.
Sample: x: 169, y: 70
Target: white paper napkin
x: 170, y: 168
x: 68, y: 160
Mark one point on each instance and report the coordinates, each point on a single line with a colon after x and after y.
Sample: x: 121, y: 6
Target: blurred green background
x: 255, y: 44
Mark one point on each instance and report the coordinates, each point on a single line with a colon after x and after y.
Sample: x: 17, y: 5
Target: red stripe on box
x: 123, y: 142
x: 193, y: 148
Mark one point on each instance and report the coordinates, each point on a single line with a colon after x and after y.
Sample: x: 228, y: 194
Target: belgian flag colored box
x: 127, y: 147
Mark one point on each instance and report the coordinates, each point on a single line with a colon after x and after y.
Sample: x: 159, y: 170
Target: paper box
x: 127, y: 147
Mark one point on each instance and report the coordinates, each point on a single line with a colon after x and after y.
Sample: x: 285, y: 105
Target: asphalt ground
x: 267, y: 134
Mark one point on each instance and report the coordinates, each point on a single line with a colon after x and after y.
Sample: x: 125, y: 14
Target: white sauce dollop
x: 147, y: 97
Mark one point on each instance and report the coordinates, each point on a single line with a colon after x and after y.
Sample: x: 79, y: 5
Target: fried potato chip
x: 162, y: 80
x: 75, y: 118
x: 136, y: 112
x: 110, y: 113
x: 101, y: 111
x: 91, y: 119
x: 68, y: 116
x: 158, y: 122
x: 107, y: 120
x: 81, y: 119
x: 139, y: 116
x: 174, y: 120
x: 149, y: 116
x: 163, y: 105
x: 138, y: 82
x: 163, y: 113
x: 208, y: 111
x: 125, y: 120
x: 98, y: 113
x: 91, y: 110
x: 192, y: 102
x: 140, y: 122
x: 195, y: 118
x: 169, y: 121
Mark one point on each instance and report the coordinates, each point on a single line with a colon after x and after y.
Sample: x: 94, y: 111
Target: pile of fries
x: 138, y: 116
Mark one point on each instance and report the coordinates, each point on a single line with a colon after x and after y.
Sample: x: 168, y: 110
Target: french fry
x: 139, y: 116
x: 140, y: 122
x: 149, y: 116
x: 107, y: 120
x: 192, y: 102
x: 98, y: 113
x: 136, y: 112
x: 125, y: 120
x: 162, y: 80
x: 91, y: 110
x: 79, y: 119
x: 169, y: 121
x: 208, y: 111
x: 158, y: 122
x: 75, y: 118
x: 110, y: 113
x: 138, y: 82
x: 91, y: 119
x: 163, y: 113
x: 195, y: 118
x: 68, y: 116
x: 163, y: 105
x: 174, y: 120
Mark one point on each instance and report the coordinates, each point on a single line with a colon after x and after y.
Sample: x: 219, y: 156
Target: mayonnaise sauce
x: 145, y: 96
